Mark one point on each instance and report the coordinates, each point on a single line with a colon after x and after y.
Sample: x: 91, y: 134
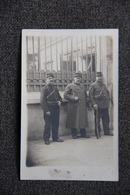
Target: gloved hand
x: 76, y: 98
x: 59, y: 103
x: 48, y: 113
x: 95, y: 106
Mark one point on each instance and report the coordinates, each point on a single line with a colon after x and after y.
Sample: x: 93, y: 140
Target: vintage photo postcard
x: 69, y: 105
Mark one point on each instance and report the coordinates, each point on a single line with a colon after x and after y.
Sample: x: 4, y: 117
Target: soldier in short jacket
x: 50, y: 101
x: 99, y: 97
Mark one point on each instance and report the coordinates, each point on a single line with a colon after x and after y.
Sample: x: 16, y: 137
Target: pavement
x: 72, y: 152
x: 74, y: 159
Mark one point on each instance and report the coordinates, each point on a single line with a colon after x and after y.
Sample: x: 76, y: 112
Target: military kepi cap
x: 78, y: 74
x: 98, y: 74
x: 49, y: 75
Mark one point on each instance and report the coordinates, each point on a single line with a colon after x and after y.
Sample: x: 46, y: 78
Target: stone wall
x: 36, y: 121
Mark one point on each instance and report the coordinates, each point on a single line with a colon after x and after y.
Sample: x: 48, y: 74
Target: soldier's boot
x: 47, y: 142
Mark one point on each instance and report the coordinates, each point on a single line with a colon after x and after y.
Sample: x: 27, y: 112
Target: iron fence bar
x: 100, y: 62
x: 62, y: 77
x: 95, y: 53
x: 86, y: 56
x: 27, y: 52
x: 82, y: 51
x: 39, y: 60
x: 27, y: 61
x: 51, y: 53
x: 67, y: 56
x: 91, y: 60
x: 77, y: 55
x: 56, y: 60
x: 45, y: 54
x: 61, y: 57
x: 33, y: 62
x: 72, y: 56
x: 33, y: 52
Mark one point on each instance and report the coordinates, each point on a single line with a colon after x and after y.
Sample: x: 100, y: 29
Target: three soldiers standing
x: 77, y: 112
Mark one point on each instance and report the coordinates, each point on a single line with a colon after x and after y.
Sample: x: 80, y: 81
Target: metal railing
x: 62, y: 56
x: 36, y: 80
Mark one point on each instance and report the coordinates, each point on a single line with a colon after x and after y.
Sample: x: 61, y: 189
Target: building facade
x: 64, y: 56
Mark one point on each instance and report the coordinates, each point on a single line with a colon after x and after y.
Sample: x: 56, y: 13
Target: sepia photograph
x: 69, y: 105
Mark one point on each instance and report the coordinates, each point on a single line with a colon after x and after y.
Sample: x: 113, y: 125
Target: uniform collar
x: 99, y: 83
x: 76, y: 83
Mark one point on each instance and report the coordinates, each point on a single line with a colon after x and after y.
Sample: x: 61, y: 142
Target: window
x: 61, y: 55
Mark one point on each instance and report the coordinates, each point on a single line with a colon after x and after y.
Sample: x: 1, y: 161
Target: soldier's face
x: 99, y: 79
x: 50, y: 80
x: 77, y: 79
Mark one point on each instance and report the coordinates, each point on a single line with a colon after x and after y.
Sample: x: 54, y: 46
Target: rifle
x: 97, y: 125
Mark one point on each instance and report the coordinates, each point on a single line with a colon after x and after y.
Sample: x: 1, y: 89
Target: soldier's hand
x: 48, y: 113
x: 88, y: 100
x: 101, y: 93
x: 76, y: 98
x: 59, y: 103
x: 95, y: 106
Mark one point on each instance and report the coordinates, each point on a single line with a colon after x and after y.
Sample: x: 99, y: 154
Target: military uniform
x: 99, y: 95
x: 77, y: 112
x: 49, y: 102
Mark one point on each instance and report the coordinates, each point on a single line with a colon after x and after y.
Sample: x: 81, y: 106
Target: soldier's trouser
x: 103, y: 113
x: 82, y: 132
x: 51, y: 121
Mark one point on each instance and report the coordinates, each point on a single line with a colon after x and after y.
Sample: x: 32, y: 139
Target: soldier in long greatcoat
x: 50, y: 101
x: 99, y: 97
x: 77, y: 111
